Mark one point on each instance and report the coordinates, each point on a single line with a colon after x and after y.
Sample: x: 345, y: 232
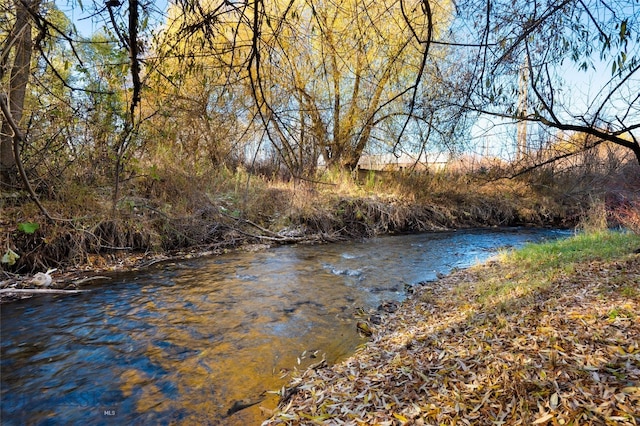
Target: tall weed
x: 596, y: 218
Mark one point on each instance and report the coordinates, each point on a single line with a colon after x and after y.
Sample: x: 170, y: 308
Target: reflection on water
x: 184, y: 341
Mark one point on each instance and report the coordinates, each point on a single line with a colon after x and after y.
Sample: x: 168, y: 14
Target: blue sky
x: 581, y: 92
x: 82, y: 14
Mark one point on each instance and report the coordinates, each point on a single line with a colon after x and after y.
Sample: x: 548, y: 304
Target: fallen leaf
x: 543, y: 419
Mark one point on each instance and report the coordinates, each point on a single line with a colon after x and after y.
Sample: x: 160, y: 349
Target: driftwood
x: 272, y: 236
x: 86, y: 280
x: 242, y: 404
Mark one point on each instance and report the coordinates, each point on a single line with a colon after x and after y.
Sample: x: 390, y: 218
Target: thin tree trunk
x: 18, y: 138
x: 17, y: 90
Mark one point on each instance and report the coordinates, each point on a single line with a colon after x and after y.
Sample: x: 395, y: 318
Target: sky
x: 496, y: 137
x: 83, y: 13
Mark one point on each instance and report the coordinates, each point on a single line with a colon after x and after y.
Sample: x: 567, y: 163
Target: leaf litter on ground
x: 562, y: 350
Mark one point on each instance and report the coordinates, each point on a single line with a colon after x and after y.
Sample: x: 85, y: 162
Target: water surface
x: 183, y: 341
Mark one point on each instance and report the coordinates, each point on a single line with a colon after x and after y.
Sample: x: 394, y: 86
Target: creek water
x: 182, y: 342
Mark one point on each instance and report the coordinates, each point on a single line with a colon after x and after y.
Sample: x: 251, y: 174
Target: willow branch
x: 423, y: 63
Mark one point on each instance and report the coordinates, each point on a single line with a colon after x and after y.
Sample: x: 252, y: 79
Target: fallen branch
x: 85, y: 280
x: 277, y: 238
x: 247, y: 221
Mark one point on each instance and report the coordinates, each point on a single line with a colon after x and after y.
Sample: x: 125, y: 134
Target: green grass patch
x: 535, y: 266
x: 561, y: 254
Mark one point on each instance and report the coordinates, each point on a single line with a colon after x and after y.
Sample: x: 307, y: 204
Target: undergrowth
x: 171, y: 208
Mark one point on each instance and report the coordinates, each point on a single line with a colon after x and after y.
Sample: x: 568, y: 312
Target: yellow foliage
x: 325, y: 68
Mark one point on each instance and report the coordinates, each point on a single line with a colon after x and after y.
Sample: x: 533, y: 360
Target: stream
x: 183, y: 342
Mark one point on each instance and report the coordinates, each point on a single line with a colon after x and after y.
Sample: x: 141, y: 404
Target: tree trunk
x: 17, y: 87
x: 636, y: 150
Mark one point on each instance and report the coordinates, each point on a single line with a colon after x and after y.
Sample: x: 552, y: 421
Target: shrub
x: 628, y: 216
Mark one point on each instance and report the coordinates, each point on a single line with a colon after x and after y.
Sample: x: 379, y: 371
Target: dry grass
x: 628, y: 215
x: 172, y: 208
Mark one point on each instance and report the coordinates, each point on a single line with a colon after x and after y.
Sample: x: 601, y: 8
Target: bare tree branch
x: 18, y: 137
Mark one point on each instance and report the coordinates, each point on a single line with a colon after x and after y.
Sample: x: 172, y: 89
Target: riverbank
x: 179, y: 222
x: 176, y: 213
x: 185, y: 216
x: 547, y: 335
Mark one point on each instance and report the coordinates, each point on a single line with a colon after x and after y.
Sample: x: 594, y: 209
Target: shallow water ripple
x: 185, y: 341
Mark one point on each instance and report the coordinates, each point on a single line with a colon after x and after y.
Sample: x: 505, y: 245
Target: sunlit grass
x: 535, y: 267
x: 602, y: 245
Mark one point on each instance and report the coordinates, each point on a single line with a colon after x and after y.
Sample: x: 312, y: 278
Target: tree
x: 553, y: 41
x: 347, y: 68
x: 196, y: 90
x: 56, y: 67
x: 19, y: 44
x: 326, y: 77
